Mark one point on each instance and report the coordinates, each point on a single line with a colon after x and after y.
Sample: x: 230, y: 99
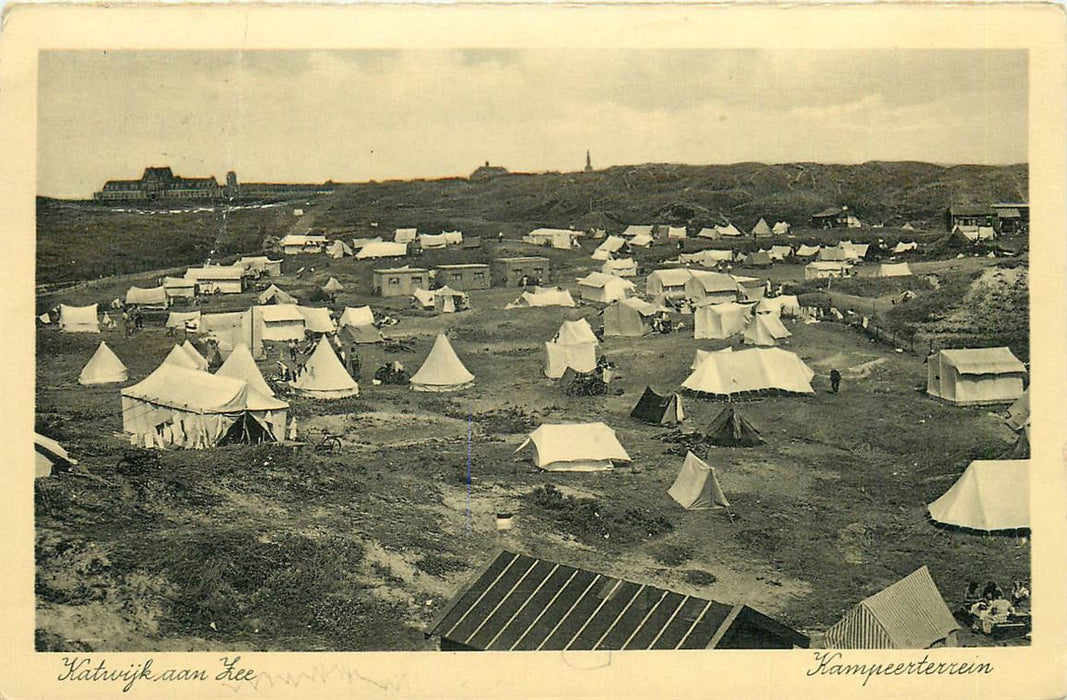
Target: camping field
x: 281, y: 547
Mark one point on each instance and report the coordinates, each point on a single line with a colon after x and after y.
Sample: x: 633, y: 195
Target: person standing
x: 835, y: 380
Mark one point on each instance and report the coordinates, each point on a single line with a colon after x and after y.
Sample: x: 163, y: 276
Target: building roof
x: 970, y: 210
x: 910, y: 614
x: 832, y: 211
x: 463, y: 266
x: 519, y: 602
x: 983, y: 361
x: 216, y: 272
x: 523, y: 259
x: 401, y: 270
x: 1008, y: 212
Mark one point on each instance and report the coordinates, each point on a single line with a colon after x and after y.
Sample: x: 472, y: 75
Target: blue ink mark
x: 470, y: 421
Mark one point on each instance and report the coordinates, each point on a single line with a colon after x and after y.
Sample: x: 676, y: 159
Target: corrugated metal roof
x: 910, y: 614
x: 522, y: 603
x: 983, y: 361
x: 970, y: 210
x: 1008, y: 213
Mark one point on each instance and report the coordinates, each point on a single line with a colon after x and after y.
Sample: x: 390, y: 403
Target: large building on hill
x: 161, y: 183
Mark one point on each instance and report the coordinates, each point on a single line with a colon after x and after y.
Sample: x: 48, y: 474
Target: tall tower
x: 588, y: 162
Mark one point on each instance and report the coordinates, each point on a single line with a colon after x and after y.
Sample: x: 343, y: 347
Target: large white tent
x: 382, y: 249
x: 185, y: 407
x: 78, y: 319
x: 750, y: 370
x: 442, y: 370
x: 104, y: 367
x: 991, y: 495
x: 579, y: 447
x: 975, y: 376
x: 604, y: 289
x: 148, y: 297
x: 280, y: 323
x: 323, y: 376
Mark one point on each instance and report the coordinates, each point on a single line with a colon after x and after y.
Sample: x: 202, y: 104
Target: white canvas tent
x: 241, y: 365
x: 234, y: 328
x: 754, y: 369
x: 1019, y: 412
x: 697, y: 487
x: 453, y: 237
x: 764, y: 330
x: 719, y: 321
x: 442, y: 370
x: 150, y: 297
x: 612, y: 244
x: 975, y: 376
x: 274, y: 295
x: 357, y: 316
x: 702, y: 355
x: 574, y: 346
x: 780, y: 228
x: 188, y: 408
x: 385, y: 249
x: 641, y: 240
x: 784, y: 306
x: 576, y: 332
x: 184, y: 319
x: 429, y: 241
x: 559, y: 238
x: 991, y: 495
x: 604, y: 289
x: 894, y: 270
x: 713, y: 286
x: 807, y: 251
x: 903, y: 247
x: 627, y: 317
x: 180, y: 357
x: 179, y: 288
x: 580, y: 447
x: 670, y: 282
x: 676, y: 232
x: 49, y: 454
x: 541, y: 296
x: 637, y: 230
x: 623, y: 267
x: 332, y: 286
x: 104, y: 367
x: 338, y: 249
x: 78, y: 319
x: 317, y: 320
x: 405, y: 235
x: 779, y: 252
x: 824, y: 269
x: 280, y: 323
x: 323, y: 376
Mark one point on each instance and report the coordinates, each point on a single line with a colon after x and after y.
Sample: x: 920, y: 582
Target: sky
x: 354, y: 116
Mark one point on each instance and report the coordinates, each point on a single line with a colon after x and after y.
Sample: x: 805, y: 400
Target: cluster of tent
x: 758, y: 323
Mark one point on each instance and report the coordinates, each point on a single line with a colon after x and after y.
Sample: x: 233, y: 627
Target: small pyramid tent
x: 658, y: 410
x: 442, y: 370
x: 240, y: 365
x: 323, y: 377
x: 697, y: 487
x: 910, y: 614
x: 357, y: 316
x: 104, y: 367
x: 990, y: 496
x: 201, y: 362
x: 731, y: 429
x: 762, y: 229
x: 333, y: 286
x: 180, y: 357
x: 575, y: 333
x: 274, y: 295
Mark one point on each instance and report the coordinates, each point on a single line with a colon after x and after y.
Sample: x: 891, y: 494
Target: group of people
x: 993, y: 607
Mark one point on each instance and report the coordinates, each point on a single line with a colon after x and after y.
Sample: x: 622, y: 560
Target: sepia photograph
x: 532, y: 350
x: 364, y: 348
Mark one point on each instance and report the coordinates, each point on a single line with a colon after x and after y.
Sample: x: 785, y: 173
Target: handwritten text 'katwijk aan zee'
x: 87, y: 670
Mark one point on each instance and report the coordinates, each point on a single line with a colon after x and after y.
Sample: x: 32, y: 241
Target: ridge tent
x: 559, y: 238
x: 762, y: 229
x: 627, y: 317
x: 727, y: 231
x: 731, y: 429
x: 990, y: 496
x: 807, y: 251
x: 658, y: 410
x: 241, y: 365
x: 907, y: 227
x: 280, y: 323
x: 779, y: 252
x: 442, y: 370
x: 295, y: 243
x: 637, y: 230
x: 1019, y: 412
x: 604, y: 289
x: 543, y: 297
x: 338, y: 249
x: 601, y: 255
x: 405, y: 235
x: 822, y: 269
x: 260, y: 265
x: 754, y: 369
x: 708, y: 257
x: 317, y: 319
x: 575, y: 447
x: 323, y: 376
x: 274, y: 295
x: 179, y: 288
x: 714, y: 286
x: 424, y: 298
x: 360, y: 243
x: 623, y: 267
x: 49, y: 455
x: 773, y: 324
x: 332, y: 286
x: 696, y: 487
x: 558, y: 358
x: 357, y: 316
x: 453, y: 237
x: 150, y: 298
x: 785, y: 306
x: 702, y: 355
x: 758, y: 332
x: 903, y: 247
x: 780, y: 228
x: 612, y: 244
x: 894, y: 270
x: 641, y: 240
x: 217, y: 279
x: 975, y: 376
x: 910, y: 614
x: 361, y: 335
x: 382, y: 249
x: 676, y: 232
x: 750, y: 288
x: 706, y: 232
x: 835, y: 254
x: 78, y: 319
x: 104, y: 367
x: 189, y: 320
x: 761, y: 258
x: 180, y: 357
x: 577, y: 332
x: 429, y: 241
x: 194, y: 354
x: 185, y: 407
x: 720, y: 321
x: 669, y: 282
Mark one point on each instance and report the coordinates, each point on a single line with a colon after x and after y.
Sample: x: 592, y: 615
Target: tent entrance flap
x: 246, y: 430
